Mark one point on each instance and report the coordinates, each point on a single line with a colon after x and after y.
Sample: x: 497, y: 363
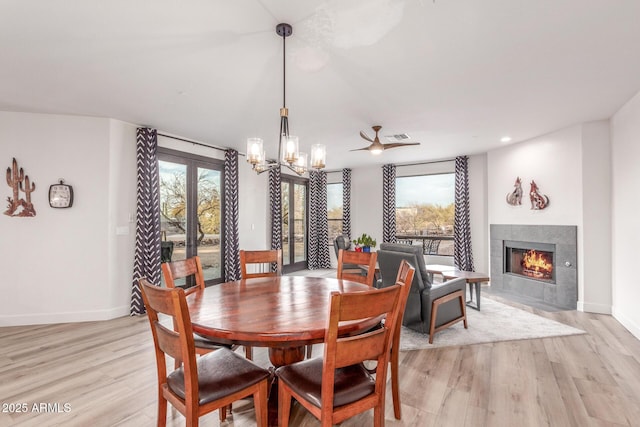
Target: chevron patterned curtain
x: 231, y: 215
x: 389, y: 203
x: 318, y: 224
x: 275, y: 201
x: 147, y: 253
x: 346, y: 203
x: 462, y: 254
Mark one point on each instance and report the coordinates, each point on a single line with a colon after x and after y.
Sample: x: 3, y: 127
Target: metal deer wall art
x: 515, y: 197
x: 19, y: 182
x: 538, y: 201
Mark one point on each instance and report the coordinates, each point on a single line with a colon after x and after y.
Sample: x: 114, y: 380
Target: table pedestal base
x: 286, y: 356
x: 280, y: 357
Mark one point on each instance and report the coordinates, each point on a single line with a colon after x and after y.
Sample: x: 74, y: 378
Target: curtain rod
x: 427, y: 163
x: 401, y: 165
x: 195, y: 142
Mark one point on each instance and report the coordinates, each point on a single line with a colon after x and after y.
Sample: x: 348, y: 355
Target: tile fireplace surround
x: 564, y: 292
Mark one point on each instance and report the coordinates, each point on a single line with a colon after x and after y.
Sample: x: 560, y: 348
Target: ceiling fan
x: 377, y: 147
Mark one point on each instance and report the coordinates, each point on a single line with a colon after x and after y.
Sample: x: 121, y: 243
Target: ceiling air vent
x: 398, y: 137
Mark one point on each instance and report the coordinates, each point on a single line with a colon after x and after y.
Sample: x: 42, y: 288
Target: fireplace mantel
x: 564, y: 292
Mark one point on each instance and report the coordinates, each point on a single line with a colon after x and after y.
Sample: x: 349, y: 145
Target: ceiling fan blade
x: 399, y: 144
x: 364, y: 136
x: 360, y: 149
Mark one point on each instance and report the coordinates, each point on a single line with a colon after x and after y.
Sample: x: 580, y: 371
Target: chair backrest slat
x: 186, y: 268
x: 353, y: 350
x: 357, y: 266
x: 261, y: 260
x: 168, y: 341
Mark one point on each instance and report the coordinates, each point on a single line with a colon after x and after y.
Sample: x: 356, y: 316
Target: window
x: 191, y: 210
x: 334, y: 210
x: 425, y: 208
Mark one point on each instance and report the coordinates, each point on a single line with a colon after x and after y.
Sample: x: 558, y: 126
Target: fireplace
x: 535, y: 263
x: 530, y: 260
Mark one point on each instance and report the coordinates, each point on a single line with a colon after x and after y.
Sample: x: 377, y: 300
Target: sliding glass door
x: 294, y: 223
x: 191, y: 210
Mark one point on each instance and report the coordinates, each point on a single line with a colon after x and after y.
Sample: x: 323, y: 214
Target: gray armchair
x: 343, y: 242
x: 417, y: 313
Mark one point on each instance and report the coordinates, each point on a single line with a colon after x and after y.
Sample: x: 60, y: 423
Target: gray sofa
x: 417, y: 313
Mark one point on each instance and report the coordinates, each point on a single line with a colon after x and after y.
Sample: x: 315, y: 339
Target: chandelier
x: 289, y: 155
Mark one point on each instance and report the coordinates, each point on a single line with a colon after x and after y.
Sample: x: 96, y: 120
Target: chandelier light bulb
x: 290, y: 154
x: 300, y: 164
x: 318, y: 156
x: 255, y: 150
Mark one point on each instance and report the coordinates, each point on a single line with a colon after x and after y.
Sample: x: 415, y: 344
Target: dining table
x: 282, y: 313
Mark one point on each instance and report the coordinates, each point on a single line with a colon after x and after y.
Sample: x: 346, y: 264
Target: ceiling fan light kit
x: 288, y: 147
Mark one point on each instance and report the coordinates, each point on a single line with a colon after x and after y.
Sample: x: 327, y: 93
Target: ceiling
x: 455, y: 75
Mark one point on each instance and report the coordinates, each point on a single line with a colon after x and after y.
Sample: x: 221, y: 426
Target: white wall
x: 625, y: 134
x: 479, y: 210
x: 596, y: 217
x: 366, y: 202
x: 553, y: 162
x: 559, y: 162
x: 254, y: 224
x: 67, y: 264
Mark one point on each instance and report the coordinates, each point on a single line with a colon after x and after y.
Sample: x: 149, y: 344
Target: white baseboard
x: 590, y: 307
x: 629, y: 324
x: 66, y: 317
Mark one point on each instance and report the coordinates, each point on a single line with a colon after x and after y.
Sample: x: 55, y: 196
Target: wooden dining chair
x: 337, y: 386
x: 190, y: 269
x: 199, y: 386
x: 405, y: 276
x: 365, y: 263
x: 262, y: 261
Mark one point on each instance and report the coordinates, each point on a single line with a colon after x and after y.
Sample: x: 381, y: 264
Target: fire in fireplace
x: 529, y: 262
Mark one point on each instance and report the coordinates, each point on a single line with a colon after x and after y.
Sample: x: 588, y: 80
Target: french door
x: 191, y: 210
x: 294, y: 223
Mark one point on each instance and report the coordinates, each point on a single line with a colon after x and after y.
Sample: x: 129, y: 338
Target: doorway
x: 294, y: 223
x: 191, y: 206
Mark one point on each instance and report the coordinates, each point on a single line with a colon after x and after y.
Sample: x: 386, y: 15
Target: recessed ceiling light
x: 505, y: 139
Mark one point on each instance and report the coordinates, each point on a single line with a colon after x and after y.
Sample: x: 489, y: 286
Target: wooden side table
x: 437, y: 269
x: 474, y: 279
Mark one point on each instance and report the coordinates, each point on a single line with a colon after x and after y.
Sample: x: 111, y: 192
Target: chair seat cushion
x: 445, y: 288
x: 220, y: 373
x: 352, y: 383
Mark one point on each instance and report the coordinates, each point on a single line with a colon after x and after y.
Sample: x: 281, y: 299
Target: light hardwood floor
x: 105, y: 373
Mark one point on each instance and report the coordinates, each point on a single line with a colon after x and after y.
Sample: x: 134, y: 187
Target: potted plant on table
x: 364, y: 243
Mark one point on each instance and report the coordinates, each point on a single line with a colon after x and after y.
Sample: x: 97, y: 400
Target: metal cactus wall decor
x: 19, y: 182
x: 538, y: 201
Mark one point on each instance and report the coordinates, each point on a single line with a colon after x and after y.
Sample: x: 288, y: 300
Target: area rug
x: 495, y: 322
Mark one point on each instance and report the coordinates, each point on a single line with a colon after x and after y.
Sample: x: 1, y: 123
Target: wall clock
x: 60, y: 195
